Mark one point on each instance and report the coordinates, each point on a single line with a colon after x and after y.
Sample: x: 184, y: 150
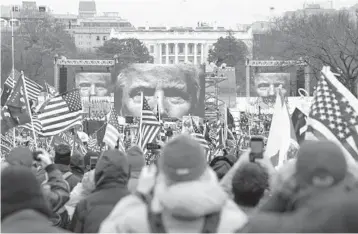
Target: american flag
x: 60, y: 113
x: 199, y: 136
x: 37, y: 125
x: 113, y: 130
x: 33, y: 89
x: 150, y: 126
x: 334, y: 115
x: 220, y: 141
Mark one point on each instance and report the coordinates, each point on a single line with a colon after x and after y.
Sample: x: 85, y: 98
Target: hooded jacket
x: 183, y: 207
x: 73, y: 179
x: 136, y: 162
x: 111, y: 179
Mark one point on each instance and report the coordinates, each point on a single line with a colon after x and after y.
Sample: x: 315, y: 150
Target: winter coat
x: 28, y: 221
x: 183, y: 207
x: 111, y: 179
x: 73, y: 179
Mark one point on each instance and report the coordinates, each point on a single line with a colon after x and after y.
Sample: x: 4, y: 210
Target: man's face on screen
x: 93, y: 84
x: 169, y: 93
x: 267, y: 84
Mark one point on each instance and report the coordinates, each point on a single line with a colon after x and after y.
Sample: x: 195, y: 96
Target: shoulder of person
x: 129, y: 215
x: 232, y: 218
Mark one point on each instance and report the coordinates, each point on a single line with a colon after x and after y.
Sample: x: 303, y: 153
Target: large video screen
x: 267, y: 84
x: 93, y: 83
x: 175, y: 90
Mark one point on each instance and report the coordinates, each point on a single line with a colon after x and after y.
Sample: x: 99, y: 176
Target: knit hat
x: 135, y: 158
x: 20, y: 190
x: 320, y: 159
x: 62, y: 154
x: 20, y: 156
x: 182, y: 159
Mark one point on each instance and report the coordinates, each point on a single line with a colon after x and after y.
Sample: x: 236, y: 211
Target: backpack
x: 67, y: 175
x: 156, y: 225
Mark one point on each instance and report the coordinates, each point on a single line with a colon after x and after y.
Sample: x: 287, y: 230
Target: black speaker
x: 63, y: 80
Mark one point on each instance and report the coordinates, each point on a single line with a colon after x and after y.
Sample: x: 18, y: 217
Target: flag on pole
x: 220, y: 141
x: 5, y: 94
x: 51, y: 90
x: 16, y: 111
x: 150, y: 126
x: 334, y: 115
x: 299, y: 121
x: 61, y: 112
x: 199, y: 137
x: 33, y: 89
x: 113, y: 130
x: 37, y: 125
x: 281, y: 142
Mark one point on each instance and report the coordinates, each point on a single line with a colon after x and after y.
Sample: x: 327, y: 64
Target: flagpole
x: 13, y: 62
x: 29, y: 109
x: 141, y: 119
x: 225, y: 123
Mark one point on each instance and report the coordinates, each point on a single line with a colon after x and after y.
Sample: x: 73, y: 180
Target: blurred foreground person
x: 184, y: 196
x: 136, y: 162
x: 23, y: 206
x: 307, y: 197
x: 55, y: 189
x: 77, y: 165
x: 111, y: 180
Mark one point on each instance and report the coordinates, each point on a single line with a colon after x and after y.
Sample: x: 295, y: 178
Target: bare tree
x: 322, y: 39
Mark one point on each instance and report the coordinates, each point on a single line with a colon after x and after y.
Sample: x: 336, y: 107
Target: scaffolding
x: 212, y: 91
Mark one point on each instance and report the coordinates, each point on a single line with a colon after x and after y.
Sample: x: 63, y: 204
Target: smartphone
x: 93, y: 162
x: 257, y: 148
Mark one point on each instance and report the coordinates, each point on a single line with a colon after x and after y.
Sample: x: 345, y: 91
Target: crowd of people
x: 114, y: 191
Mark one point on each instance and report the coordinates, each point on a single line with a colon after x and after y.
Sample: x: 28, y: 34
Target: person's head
x: 173, y: 88
x: 20, y: 156
x: 221, y: 165
x: 112, y: 167
x: 266, y: 84
x: 249, y: 184
x: 320, y: 164
x: 93, y: 83
x: 77, y: 160
x: 135, y: 158
x: 62, y: 154
x: 20, y: 190
x: 182, y: 159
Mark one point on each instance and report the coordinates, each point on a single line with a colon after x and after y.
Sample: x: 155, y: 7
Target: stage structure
x: 276, y: 63
x: 212, y: 102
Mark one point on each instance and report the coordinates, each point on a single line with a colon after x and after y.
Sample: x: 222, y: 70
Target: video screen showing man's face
x: 171, y: 89
x: 267, y: 84
x: 93, y: 83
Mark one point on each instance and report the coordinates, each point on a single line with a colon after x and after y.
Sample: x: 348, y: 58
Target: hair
x: 186, y: 72
x: 249, y: 184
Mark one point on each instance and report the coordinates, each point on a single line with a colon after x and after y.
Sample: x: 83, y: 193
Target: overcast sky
x: 188, y: 12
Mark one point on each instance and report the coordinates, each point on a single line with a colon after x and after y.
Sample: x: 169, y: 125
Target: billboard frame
x: 276, y: 63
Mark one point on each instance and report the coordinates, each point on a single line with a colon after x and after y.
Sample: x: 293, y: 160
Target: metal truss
x: 80, y: 62
x: 275, y: 63
x: 212, y: 101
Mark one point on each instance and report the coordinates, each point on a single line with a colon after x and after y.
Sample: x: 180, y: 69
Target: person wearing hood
x: 63, y: 161
x: 77, y: 165
x: 187, y: 196
x: 24, y: 208
x: 136, y: 162
x: 111, y: 180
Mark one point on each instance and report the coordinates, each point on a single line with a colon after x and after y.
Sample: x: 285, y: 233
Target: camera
x: 153, y: 146
x: 257, y: 148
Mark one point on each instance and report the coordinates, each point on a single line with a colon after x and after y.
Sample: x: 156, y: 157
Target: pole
x: 225, y: 122
x: 141, y: 119
x: 28, y: 107
x: 13, y: 64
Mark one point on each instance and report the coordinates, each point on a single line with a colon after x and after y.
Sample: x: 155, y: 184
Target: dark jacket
x: 111, y: 178
x: 28, y: 221
x: 73, y: 179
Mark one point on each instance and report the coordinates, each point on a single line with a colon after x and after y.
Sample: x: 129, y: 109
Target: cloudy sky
x: 189, y: 12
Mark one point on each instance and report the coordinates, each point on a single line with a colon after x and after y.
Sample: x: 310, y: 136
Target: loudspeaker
x: 63, y: 80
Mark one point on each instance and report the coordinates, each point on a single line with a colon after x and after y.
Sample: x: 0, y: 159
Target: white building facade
x: 170, y: 46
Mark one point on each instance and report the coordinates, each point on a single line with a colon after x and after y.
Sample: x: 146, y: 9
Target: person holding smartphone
x: 55, y: 189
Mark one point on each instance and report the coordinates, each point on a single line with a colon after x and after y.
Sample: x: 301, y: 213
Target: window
x: 98, y: 38
x: 191, y: 48
x: 171, y: 48
x: 164, y: 48
x: 152, y: 49
x: 104, y: 38
x: 181, y: 48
